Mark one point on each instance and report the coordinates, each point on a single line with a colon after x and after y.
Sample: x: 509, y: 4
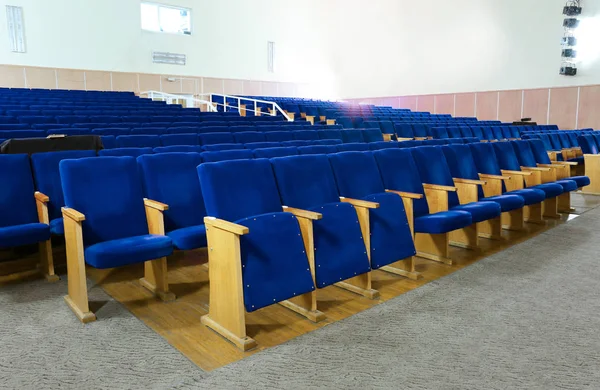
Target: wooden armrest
x: 469, y: 181
x: 226, y: 225
x: 155, y: 205
x: 493, y: 177
x: 515, y: 173
x: 403, y: 139
x: 360, y: 203
x: 41, y: 197
x: 439, y: 187
x: 73, y: 214
x: 303, y: 213
x: 409, y: 195
x: 547, y: 165
x: 540, y: 169
x: 562, y: 163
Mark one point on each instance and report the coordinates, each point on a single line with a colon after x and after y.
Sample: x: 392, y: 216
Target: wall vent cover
x: 160, y: 57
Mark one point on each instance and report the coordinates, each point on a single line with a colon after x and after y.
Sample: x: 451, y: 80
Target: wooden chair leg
x: 404, y: 268
x: 433, y: 247
x: 513, y: 220
x: 47, y: 261
x: 226, y: 313
x: 550, y: 208
x: 77, y: 299
x: 156, y: 279
x: 491, y: 229
x: 467, y: 237
x: 564, y: 203
x: 533, y: 214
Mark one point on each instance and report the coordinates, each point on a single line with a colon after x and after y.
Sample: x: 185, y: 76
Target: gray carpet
x: 527, y: 317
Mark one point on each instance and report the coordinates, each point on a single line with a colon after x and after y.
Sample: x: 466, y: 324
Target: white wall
x: 406, y: 47
x: 229, y: 38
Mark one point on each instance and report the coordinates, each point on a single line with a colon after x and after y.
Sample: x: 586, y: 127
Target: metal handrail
x: 276, y: 107
x: 164, y: 96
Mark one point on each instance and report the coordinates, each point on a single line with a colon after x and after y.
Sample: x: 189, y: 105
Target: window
x: 164, y: 18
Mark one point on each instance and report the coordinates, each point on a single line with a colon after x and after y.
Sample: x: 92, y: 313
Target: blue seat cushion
x: 57, y: 227
x: 30, y: 233
x: 581, y: 181
x: 192, y: 237
x: 529, y: 195
x: 507, y: 202
x: 551, y: 190
x: 568, y: 185
x: 480, y: 211
x: 443, y: 222
x: 129, y: 250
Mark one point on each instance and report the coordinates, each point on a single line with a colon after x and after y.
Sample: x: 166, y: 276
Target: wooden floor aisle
x: 179, y: 321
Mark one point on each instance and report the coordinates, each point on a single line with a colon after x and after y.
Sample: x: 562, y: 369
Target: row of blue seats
x: 564, y: 143
x: 279, y: 149
x: 140, y: 117
x: 589, y: 142
x: 484, y: 133
x: 163, y: 130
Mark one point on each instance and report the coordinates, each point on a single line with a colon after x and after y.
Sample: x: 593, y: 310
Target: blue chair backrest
x: 225, y: 155
x: 454, y: 132
x: 330, y: 134
x: 555, y: 141
x: 404, y: 130
x: 179, y: 139
x: 485, y: 158
x: 356, y: 174
x: 138, y: 141
x: 524, y: 153
x: 588, y: 144
x: 305, y: 182
x: 477, y: 132
x: 488, y: 134
x: 349, y: 136
x: 507, y: 158
x: 178, y: 148
x: 171, y: 178
x: 497, y: 131
x: 121, y: 152
x: 317, y: 149
x: 440, y: 132
x: 17, y: 202
x: 506, y: 133
x: 306, y: 135
x: 281, y: 151
x: 220, y: 147
x: 372, y: 135
x: 353, y: 147
x: 216, y: 138
x: 420, y: 130
x: 515, y: 132
x: 233, y: 190
x: 279, y: 136
x: 262, y: 145
x: 467, y: 132
x: 108, y: 191
x: 399, y: 172
x: 539, y: 151
x: 248, y: 137
x: 433, y: 169
x: 47, y: 176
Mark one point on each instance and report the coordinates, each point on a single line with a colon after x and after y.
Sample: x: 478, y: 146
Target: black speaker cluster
x: 569, y: 41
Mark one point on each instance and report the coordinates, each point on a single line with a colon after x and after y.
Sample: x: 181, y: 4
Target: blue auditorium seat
x: 69, y: 131
x: 47, y: 181
x: 404, y: 130
x: 138, y: 141
x: 262, y: 145
x: 116, y: 131
x: 269, y: 251
x: 433, y: 169
x: 308, y: 183
x: 215, y: 138
x: 178, y: 149
x: 109, y: 141
x: 275, y: 152
x: 541, y: 157
x: 249, y: 137
x: 279, y: 136
x: 317, y: 149
x: 20, y: 223
x: 399, y: 172
x: 330, y: 134
x: 147, y: 131
x: 225, y: 155
x: 305, y: 135
x: 220, y: 147
x: 385, y: 145
x: 372, y: 135
x: 179, y: 139
x: 172, y: 179
x: 439, y: 132
x: 352, y: 136
x: 353, y: 147
x: 121, y: 152
x: 296, y: 143
x: 106, y: 226
x: 357, y: 176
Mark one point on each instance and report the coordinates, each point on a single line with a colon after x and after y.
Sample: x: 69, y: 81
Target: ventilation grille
x: 271, y: 57
x: 160, y: 57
